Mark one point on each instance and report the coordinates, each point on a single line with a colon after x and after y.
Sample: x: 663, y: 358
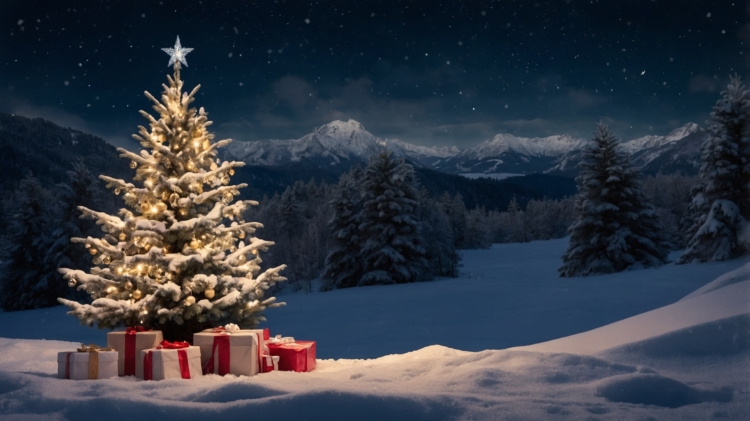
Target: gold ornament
x: 137, y: 294
x: 133, y: 164
x: 231, y: 171
x: 72, y: 283
x: 255, y: 251
x: 145, y: 207
x: 92, y: 251
x: 128, y: 285
x: 209, y: 293
x: 173, y: 198
x: 117, y: 191
x: 241, y: 235
x: 105, y: 260
x: 194, y: 244
x: 190, y: 300
x: 161, y: 207
x: 122, y: 236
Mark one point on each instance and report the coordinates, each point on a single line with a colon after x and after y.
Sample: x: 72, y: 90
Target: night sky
x: 428, y: 72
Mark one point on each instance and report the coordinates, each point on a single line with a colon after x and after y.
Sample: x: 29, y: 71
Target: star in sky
x: 177, y: 53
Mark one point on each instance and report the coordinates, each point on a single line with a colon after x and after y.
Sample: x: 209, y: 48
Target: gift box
x: 176, y: 360
x: 129, y: 344
x: 270, y: 363
x: 87, y: 363
x: 297, y: 356
x: 232, y: 351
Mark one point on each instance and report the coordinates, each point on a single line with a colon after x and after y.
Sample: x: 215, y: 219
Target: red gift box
x: 298, y: 356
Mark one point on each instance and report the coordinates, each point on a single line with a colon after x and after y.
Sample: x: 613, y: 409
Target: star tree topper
x: 177, y: 53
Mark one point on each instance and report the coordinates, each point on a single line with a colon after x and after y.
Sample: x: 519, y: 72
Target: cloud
x: 702, y: 83
x: 582, y: 99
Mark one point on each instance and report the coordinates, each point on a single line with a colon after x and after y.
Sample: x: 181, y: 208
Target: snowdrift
x: 683, y: 361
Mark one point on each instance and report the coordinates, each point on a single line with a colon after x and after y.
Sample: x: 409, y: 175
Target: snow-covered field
x: 508, y: 340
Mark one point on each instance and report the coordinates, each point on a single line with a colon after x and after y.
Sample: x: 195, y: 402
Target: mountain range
x: 338, y: 145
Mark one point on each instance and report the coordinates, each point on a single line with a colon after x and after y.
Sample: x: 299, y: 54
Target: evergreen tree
x: 617, y: 226
x: 392, y: 249
x: 81, y: 189
x: 182, y: 258
x: 26, y: 278
x: 343, y: 268
x: 723, y: 204
x: 437, y: 234
x: 456, y: 211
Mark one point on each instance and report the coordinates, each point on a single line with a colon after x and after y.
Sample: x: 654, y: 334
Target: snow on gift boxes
x: 89, y: 362
x: 170, y: 360
x: 129, y: 344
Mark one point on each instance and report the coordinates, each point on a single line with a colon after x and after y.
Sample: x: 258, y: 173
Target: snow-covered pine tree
x: 392, y: 246
x: 343, y: 268
x: 723, y: 204
x: 25, y: 275
x: 617, y: 226
x: 173, y: 261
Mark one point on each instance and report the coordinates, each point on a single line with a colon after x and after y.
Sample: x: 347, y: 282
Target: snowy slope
x: 332, y: 144
x: 628, y: 370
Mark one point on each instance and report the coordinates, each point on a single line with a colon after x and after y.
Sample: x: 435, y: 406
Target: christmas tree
x: 181, y: 258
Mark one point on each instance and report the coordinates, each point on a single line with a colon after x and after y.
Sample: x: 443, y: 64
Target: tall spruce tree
x: 617, y: 227
x: 392, y: 249
x: 26, y: 277
x: 180, y: 257
x: 343, y: 268
x: 723, y: 204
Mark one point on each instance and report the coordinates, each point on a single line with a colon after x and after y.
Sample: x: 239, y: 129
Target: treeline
x: 298, y: 221
x: 39, y: 222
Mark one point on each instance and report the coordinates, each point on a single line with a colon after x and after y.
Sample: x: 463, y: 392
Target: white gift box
x: 167, y: 364
x: 238, y: 353
x: 84, y: 365
x: 129, y: 347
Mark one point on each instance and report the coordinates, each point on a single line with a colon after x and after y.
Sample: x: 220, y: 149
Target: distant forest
x: 50, y: 170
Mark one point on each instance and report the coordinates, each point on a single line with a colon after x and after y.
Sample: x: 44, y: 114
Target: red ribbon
x: 130, y: 348
x: 148, y: 363
x: 222, y: 343
x: 219, y: 329
x: 173, y: 345
x: 184, y: 367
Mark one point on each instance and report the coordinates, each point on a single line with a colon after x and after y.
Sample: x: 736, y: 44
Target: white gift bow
x: 278, y: 340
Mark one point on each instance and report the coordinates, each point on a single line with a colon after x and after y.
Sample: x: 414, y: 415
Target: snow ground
x: 664, y: 344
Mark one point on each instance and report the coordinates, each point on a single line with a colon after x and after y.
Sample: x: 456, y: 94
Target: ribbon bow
x: 135, y: 329
x: 278, y: 340
x: 173, y: 345
x: 229, y: 328
x: 93, y: 348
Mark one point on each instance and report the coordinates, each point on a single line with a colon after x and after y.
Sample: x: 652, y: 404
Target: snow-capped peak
x: 652, y: 141
x: 537, y: 146
x: 340, y: 129
x: 332, y: 143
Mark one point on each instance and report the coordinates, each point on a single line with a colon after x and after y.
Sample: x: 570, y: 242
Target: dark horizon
x: 453, y: 73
